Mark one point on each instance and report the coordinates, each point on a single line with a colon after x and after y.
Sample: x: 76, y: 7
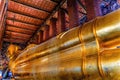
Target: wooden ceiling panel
x: 21, y: 25
x: 45, y: 5
x: 23, y: 9
x: 22, y: 18
x: 17, y: 34
x: 14, y: 40
x: 16, y: 37
x: 19, y: 30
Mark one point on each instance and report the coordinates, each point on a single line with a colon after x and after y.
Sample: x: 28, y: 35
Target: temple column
x: 46, y: 33
x: 40, y: 36
x: 72, y: 7
x: 61, y: 21
x: 92, y: 8
x: 53, y: 29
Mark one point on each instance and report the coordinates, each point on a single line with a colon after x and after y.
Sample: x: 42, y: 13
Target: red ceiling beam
x: 14, y: 20
x: 19, y: 30
x: 23, y: 21
x: 30, y: 5
x: 17, y: 37
x: 21, y: 25
x: 17, y: 34
x: 23, y: 18
x: 14, y: 40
